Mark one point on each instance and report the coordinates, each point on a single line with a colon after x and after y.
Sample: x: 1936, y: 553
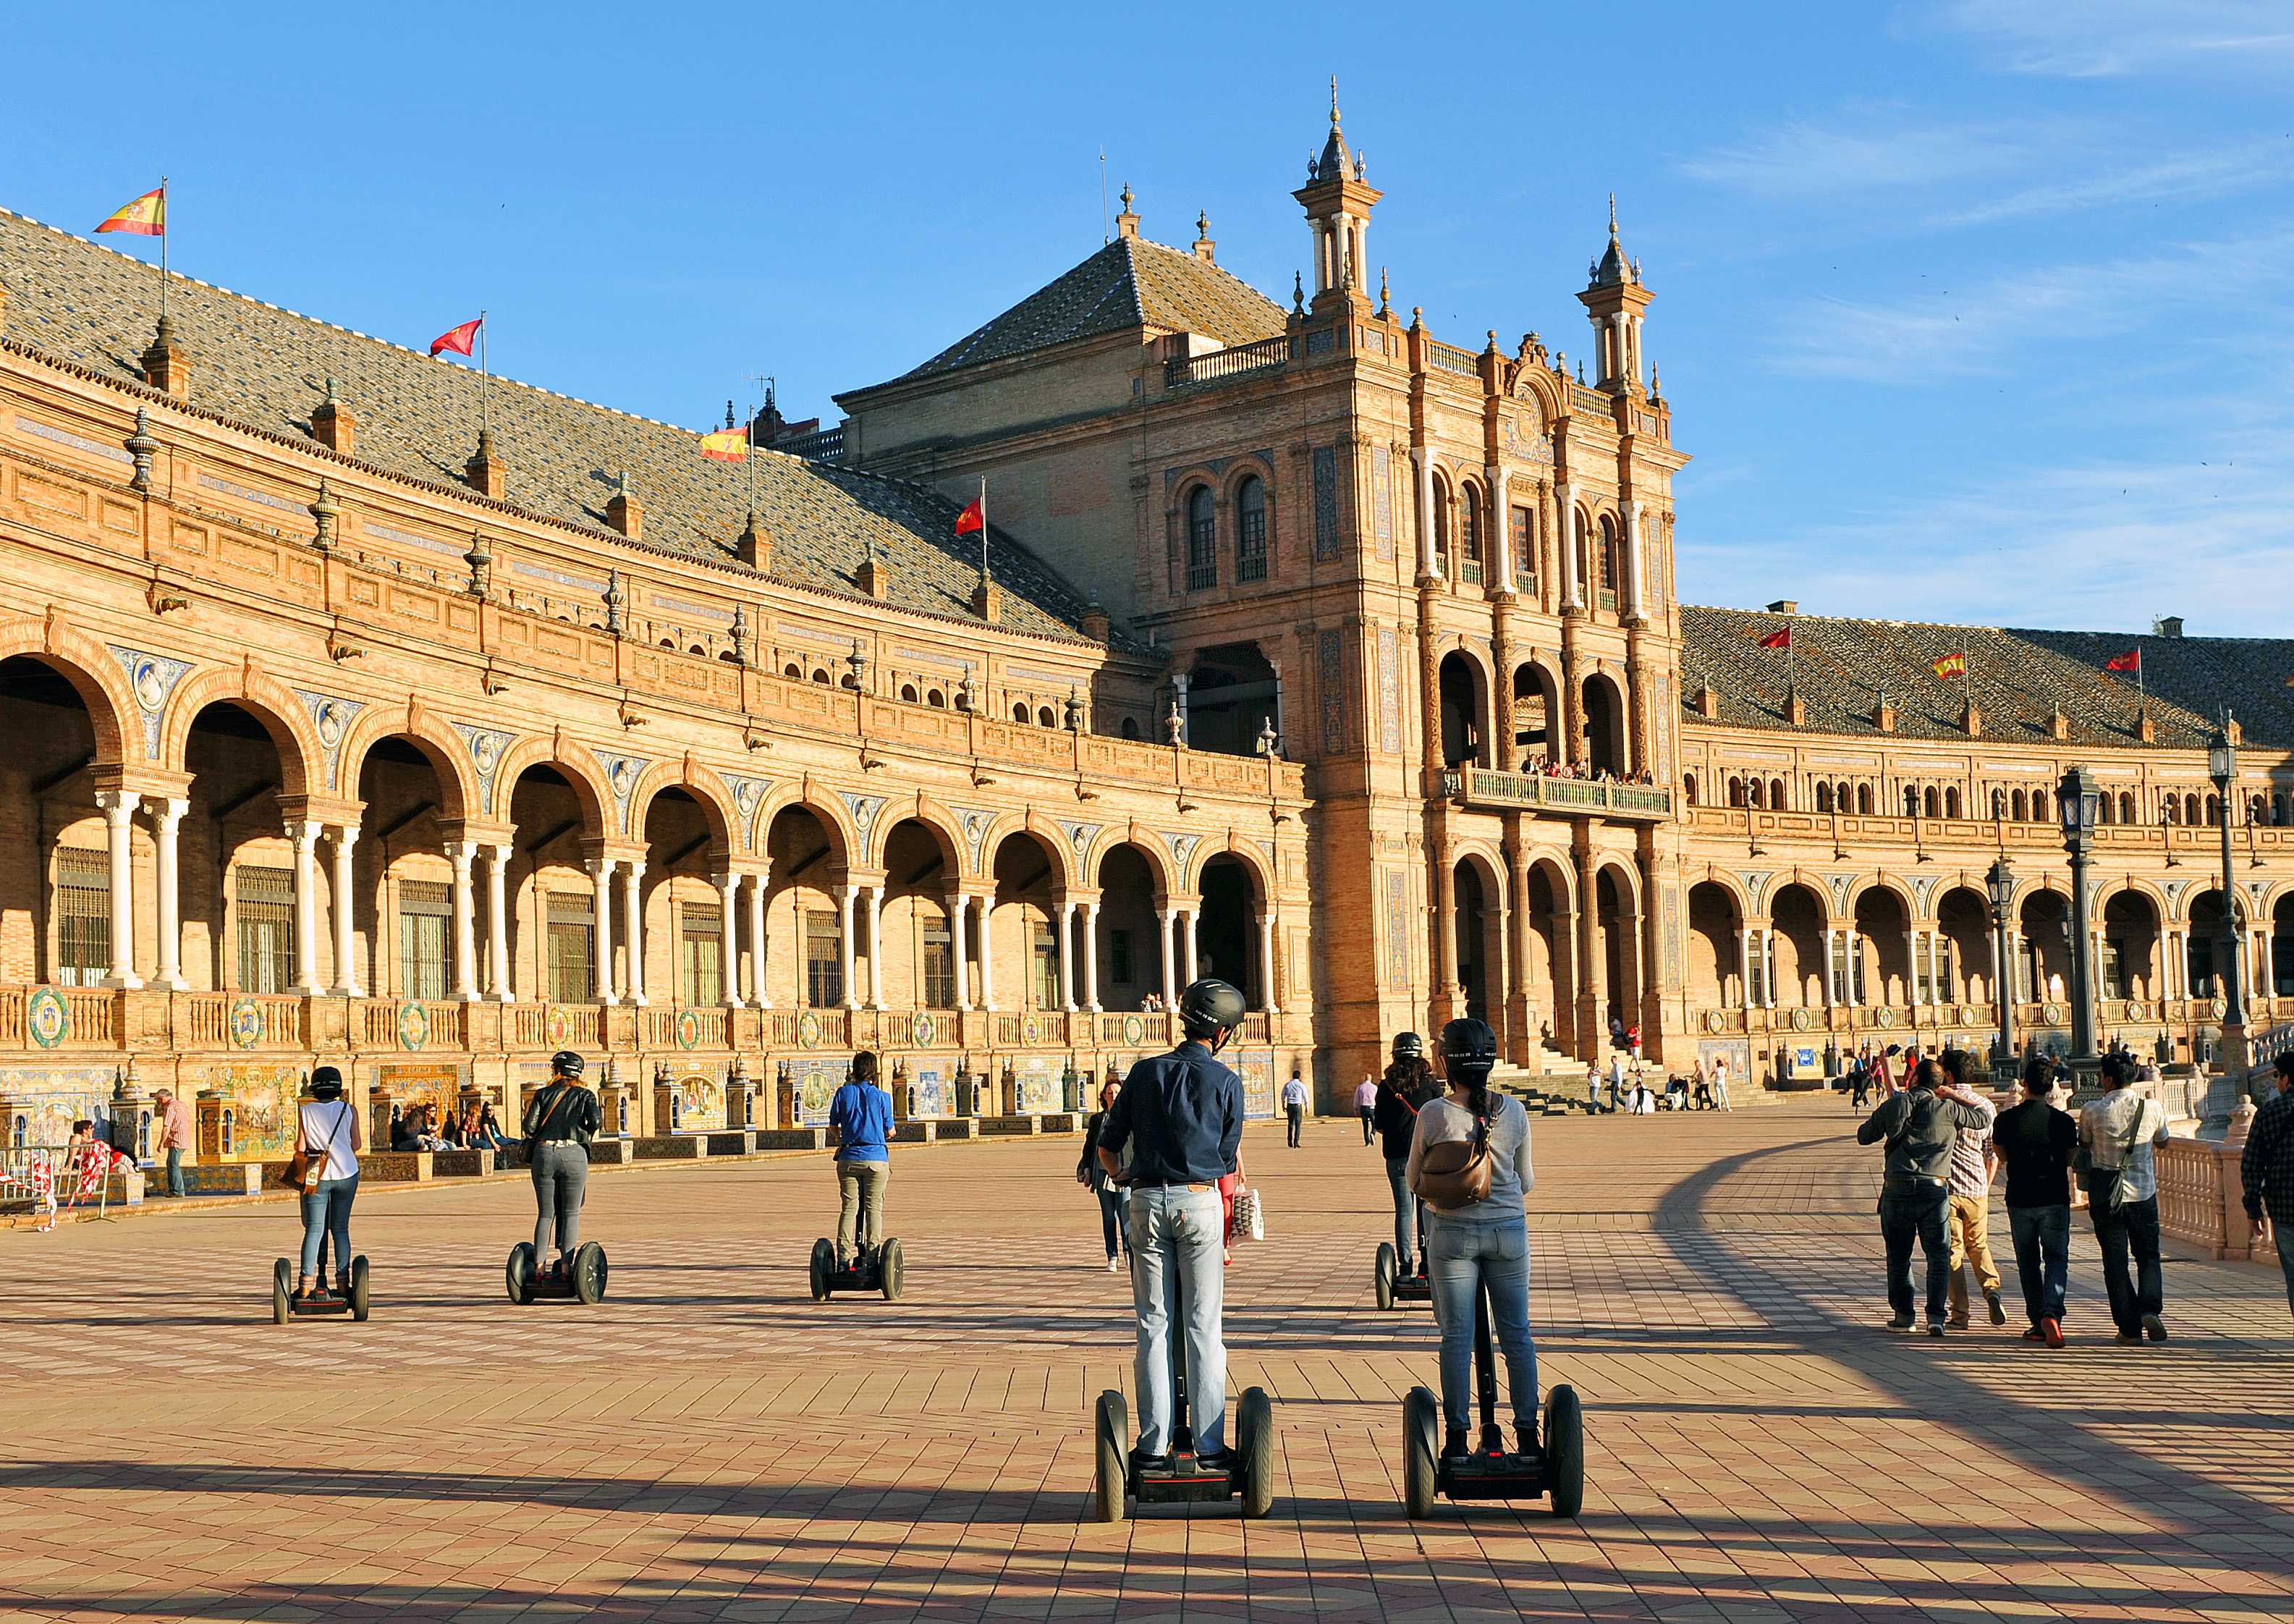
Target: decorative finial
x: 1126, y: 197
x: 1613, y: 217
x: 1298, y: 294
x: 1334, y: 100
x: 1384, y: 297
x: 615, y: 598
x: 730, y: 419
x: 1581, y: 371
x: 330, y: 389
x: 1203, y: 223
x: 1656, y: 383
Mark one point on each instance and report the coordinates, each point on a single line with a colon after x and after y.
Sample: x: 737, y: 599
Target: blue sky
x: 1969, y: 309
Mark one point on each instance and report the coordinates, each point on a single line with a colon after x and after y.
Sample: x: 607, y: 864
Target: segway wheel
x: 1254, y: 1426
x: 1111, y: 1430
x: 517, y: 1275
x: 589, y: 1274
x: 892, y: 1269
x: 282, y: 1285
x: 1565, y: 1450
x: 823, y: 1268
x: 360, y: 1302
x: 1388, y: 1267
x: 1421, y: 1437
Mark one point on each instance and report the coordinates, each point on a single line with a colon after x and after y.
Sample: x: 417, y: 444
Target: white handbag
x: 1250, y: 1215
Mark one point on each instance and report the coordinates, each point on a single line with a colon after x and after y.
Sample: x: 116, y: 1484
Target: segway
x: 1118, y: 1477
x: 585, y: 1279
x: 879, y: 1268
x: 1556, y: 1469
x: 319, y: 1303
x: 1392, y: 1285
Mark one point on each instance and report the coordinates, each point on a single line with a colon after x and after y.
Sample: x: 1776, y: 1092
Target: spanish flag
x: 726, y: 445
x: 147, y: 216
x: 974, y: 516
x: 1951, y: 665
x: 1781, y: 637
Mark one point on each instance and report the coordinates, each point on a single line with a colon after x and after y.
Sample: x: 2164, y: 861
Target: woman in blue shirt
x: 861, y: 1117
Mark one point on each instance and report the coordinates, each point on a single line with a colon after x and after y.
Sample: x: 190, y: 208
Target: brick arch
x: 1888, y: 883
x: 301, y: 756
x: 1149, y: 847
x: 440, y: 745
x: 1251, y: 857
x: 713, y: 795
x: 944, y: 824
x: 1046, y: 833
x: 579, y: 767
x: 95, y: 674
x: 1738, y: 896
x: 843, y: 838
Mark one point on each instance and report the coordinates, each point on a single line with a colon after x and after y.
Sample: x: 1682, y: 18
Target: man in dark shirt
x: 2266, y: 1170
x: 2036, y: 1141
x: 1920, y: 1124
x: 1180, y: 1115
x: 1408, y: 1083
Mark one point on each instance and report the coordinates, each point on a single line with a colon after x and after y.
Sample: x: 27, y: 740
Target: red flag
x: 1781, y: 637
x: 973, y: 517
x: 146, y: 217
x: 1950, y: 665
x: 460, y: 339
x: 2131, y: 660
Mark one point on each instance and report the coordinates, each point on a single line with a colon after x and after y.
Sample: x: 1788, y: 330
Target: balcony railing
x: 823, y: 445
x: 1476, y: 786
x: 1236, y: 360
x: 1450, y: 358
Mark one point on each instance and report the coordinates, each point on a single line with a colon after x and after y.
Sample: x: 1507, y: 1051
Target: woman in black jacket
x: 1408, y: 1083
x: 1114, y: 1200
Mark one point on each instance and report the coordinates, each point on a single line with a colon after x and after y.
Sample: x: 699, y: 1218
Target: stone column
x: 757, y: 992
x: 1745, y: 966
x: 1429, y: 565
x: 118, y: 808
x: 957, y: 906
x: 1912, y: 947
x: 986, y: 952
x: 1636, y: 607
x: 1266, y: 998
x: 1167, y: 917
x: 1852, y: 966
x: 601, y: 936
x: 167, y: 822
x: 1194, y: 962
x: 729, y: 892
x: 346, y: 978
x: 845, y: 897
x: 1831, y: 989
x: 1179, y: 701
x: 498, y: 981
x: 1501, y: 536
x: 466, y: 959
x: 1091, y: 955
x: 1067, y: 955
x: 305, y: 833
x: 1769, y: 966
x: 875, y: 947
x: 633, y: 931
x: 1566, y: 498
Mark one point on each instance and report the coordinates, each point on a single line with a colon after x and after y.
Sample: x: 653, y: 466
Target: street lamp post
x: 2003, y: 896
x: 2222, y: 766
x: 2076, y: 799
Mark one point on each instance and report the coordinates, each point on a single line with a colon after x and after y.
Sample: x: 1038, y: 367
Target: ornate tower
x: 1338, y: 201
x: 1613, y: 300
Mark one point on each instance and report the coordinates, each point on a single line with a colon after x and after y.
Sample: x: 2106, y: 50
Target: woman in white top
x: 328, y: 1132
x: 1484, y: 1243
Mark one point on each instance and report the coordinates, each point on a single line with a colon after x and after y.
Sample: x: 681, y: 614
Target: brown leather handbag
x: 1455, y: 1173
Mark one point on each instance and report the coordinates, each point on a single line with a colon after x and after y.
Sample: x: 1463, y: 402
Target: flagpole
x: 485, y: 377
x: 163, y: 248
x: 985, y: 578
x: 1966, y: 681
x: 2142, y: 685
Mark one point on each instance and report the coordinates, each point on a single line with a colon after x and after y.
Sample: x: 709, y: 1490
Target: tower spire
x: 1334, y: 100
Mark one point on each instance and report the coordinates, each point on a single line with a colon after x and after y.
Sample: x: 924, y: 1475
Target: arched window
x: 1469, y: 535
x: 2214, y: 810
x: 936, y: 699
x: 2125, y: 806
x: 2171, y: 809
x: 1440, y: 517
x: 1999, y: 806
x: 1823, y: 797
x: 2280, y: 809
x: 669, y: 644
x: 1020, y: 714
x: 2106, y: 810
x: 1044, y: 717
x: 1202, y: 540
x: 2015, y: 806
x: 1737, y: 792
x: 1934, y: 802
x: 907, y: 692
x: 1951, y: 801
x: 1688, y: 788
x: 1840, y: 797
x: 1911, y: 801
x: 793, y: 672
x: 1584, y: 562
x: 2190, y: 807
x: 2254, y: 810
x: 697, y: 651
x: 1250, y: 530
x: 1130, y: 729
x: 1608, y: 561
x: 1775, y: 794
x: 1864, y: 799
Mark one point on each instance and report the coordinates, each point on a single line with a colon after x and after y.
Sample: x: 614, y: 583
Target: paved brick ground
x: 710, y: 1444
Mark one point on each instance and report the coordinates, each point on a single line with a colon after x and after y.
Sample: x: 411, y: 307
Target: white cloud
x: 2183, y: 178
x: 2108, y: 38
x: 1864, y: 150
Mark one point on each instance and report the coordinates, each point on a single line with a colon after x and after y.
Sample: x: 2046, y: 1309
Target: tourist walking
x: 2117, y: 1133
x: 1469, y: 1162
x: 2266, y: 1170
x: 1114, y: 1200
x: 1720, y: 1082
x: 1918, y: 1125
x: 559, y: 1122
x: 1180, y: 1116
x: 1974, y: 1164
x: 1366, y: 1105
x: 1592, y: 1087
x: 2035, y: 1140
x: 1294, y: 1105
x: 860, y: 1114
x: 174, y: 1134
x: 327, y: 1136
x: 1407, y: 1085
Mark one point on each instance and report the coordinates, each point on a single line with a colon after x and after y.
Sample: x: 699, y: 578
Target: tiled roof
x: 2017, y: 676
x: 1131, y: 282
x: 265, y: 367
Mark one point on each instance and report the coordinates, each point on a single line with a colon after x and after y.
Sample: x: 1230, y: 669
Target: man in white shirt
x: 1294, y: 1105
x: 1366, y: 1104
x: 2118, y: 1133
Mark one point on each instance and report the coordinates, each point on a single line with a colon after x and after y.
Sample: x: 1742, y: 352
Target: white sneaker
x: 1114, y: 1265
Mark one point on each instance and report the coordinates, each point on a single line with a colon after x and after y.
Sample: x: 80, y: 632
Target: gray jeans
x: 860, y: 1208
x: 1462, y: 1257
x: 1179, y: 1235
x: 561, y: 1178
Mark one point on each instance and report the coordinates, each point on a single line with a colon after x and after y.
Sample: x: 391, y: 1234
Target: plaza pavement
x: 710, y: 1444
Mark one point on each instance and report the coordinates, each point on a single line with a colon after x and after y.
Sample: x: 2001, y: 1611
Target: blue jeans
x: 1910, y: 1212
x: 1179, y: 1233
x: 1459, y: 1257
x: 176, y: 1171
x: 2043, y: 1257
x: 2133, y: 1228
x: 327, y: 1210
x: 1405, y: 1218
x: 1113, y: 1202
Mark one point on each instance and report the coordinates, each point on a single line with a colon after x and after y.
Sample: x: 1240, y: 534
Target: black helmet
x: 565, y: 1063
x: 1409, y: 1046
x: 1470, y: 1046
x: 327, y: 1083
x: 1209, y: 1006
